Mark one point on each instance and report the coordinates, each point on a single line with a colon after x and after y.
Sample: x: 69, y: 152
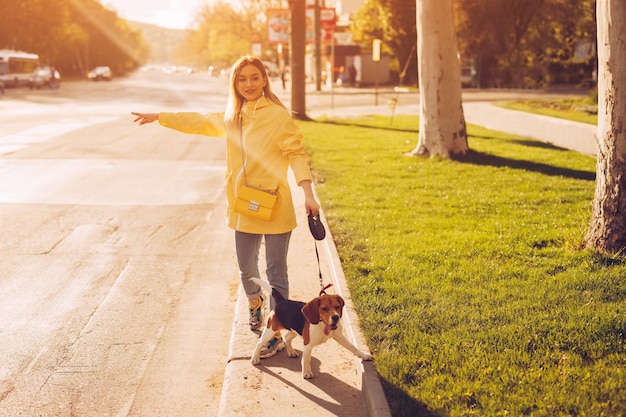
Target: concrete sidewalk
x: 479, y: 110
x: 343, y: 385
x: 580, y: 137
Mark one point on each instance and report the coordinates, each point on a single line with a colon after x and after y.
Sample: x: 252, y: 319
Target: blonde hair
x: 235, y: 100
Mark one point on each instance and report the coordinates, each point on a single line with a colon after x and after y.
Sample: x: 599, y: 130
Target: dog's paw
x: 292, y: 354
x: 307, y: 374
x: 255, y: 360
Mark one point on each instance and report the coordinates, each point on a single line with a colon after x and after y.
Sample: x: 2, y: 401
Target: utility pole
x: 318, y: 46
x: 298, y: 46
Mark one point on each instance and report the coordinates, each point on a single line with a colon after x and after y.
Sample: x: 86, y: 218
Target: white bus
x: 17, y: 67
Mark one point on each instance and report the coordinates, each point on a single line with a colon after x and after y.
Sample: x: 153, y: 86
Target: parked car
x: 44, y: 77
x: 100, y: 73
x: 468, y: 77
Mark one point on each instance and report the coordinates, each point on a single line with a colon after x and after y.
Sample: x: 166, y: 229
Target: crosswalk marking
x: 13, y: 142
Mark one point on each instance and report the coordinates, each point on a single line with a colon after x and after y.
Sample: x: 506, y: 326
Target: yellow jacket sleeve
x: 207, y: 124
x: 292, y: 148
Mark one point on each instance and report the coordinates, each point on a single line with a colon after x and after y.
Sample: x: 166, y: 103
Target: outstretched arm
x: 144, y: 118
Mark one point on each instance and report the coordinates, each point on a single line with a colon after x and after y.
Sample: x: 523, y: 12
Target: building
x: 346, y: 58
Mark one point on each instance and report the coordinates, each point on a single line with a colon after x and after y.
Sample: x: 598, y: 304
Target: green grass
x: 468, y: 277
x: 575, y: 108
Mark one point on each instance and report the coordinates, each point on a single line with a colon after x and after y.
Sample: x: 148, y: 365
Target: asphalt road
x: 116, y: 263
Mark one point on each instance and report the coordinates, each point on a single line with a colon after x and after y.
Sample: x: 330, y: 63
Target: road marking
x: 110, y: 182
x: 18, y: 140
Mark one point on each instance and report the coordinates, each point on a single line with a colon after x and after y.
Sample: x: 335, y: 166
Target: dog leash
x: 319, y: 233
x: 319, y: 268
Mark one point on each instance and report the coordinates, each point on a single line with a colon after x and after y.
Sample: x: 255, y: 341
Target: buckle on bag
x: 254, y: 205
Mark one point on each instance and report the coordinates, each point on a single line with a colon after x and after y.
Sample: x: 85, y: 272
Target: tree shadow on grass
x: 485, y: 159
x: 533, y: 143
x: 347, y: 123
x: 520, y: 140
x: 403, y: 405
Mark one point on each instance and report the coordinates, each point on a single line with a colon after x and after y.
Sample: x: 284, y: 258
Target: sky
x: 175, y: 14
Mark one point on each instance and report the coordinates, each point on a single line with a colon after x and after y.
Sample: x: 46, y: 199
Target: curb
x: 372, y: 389
x: 246, y: 389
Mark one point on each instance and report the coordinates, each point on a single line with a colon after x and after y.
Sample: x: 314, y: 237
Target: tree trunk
x: 607, y: 232
x: 298, y: 49
x: 442, y: 122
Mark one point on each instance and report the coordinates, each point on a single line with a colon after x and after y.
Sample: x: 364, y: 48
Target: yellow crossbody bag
x: 254, y: 202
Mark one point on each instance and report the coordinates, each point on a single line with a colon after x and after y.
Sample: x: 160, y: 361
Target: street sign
x: 279, y: 21
x: 376, y: 50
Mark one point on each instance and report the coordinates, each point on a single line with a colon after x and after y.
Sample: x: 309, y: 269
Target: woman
x: 262, y: 141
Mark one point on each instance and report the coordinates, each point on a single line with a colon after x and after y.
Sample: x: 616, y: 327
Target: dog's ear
x: 311, y: 311
x: 341, y: 304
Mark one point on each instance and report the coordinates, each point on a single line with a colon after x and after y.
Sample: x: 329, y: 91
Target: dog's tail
x: 265, y: 285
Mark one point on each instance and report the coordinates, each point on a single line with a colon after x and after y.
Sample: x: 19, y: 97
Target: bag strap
x: 244, y: 155
x: 243, y: 158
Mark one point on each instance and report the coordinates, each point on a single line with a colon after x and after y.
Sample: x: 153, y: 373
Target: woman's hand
x: 310, y: 203
x: 312, y: 206
x: 144, y: 118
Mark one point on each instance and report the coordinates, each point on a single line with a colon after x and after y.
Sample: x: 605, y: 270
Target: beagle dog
x: 316, y: 321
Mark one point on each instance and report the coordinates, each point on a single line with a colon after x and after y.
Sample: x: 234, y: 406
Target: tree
x: 110, y: 40
x: 226, y: 31
x: 607, y: 232
x: 392, y: 21
x: 525, y: 43
x: 223, y: 35
x: 442, y: 122
x: 71, y: 34
x: 298, y: 48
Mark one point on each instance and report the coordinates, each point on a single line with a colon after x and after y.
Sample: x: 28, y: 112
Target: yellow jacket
x: 272, y: 142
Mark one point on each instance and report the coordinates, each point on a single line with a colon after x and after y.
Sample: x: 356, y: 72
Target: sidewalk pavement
x: 580, y: 137
x: 343, y: 384
x: 479, y: 110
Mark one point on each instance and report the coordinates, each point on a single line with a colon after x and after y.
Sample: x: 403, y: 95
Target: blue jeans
x: 247, y: 246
